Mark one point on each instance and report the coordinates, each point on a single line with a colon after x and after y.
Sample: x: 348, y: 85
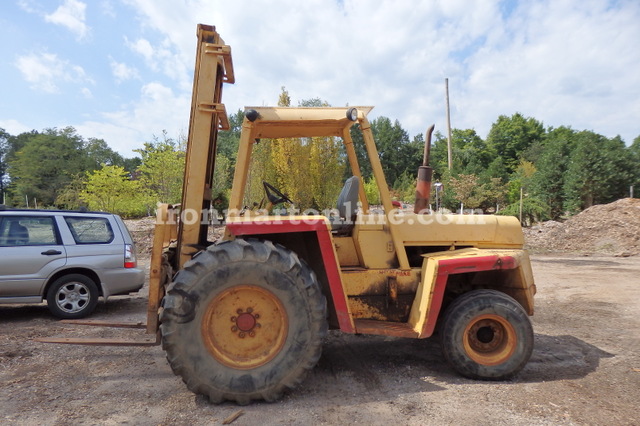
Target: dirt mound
x: 605, y: 229
x: 141, y: 231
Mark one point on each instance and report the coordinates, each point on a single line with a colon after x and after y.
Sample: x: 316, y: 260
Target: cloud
x: 122, y: 71
x: 571, y: 63
x: 107, y: 8
x: 14, y: 127
x: 127, y: 128
x: 71, y: 14
x: 45, y: 71
x: 162, y: 57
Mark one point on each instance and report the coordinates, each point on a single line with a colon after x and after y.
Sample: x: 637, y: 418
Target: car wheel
x: 72, y: 296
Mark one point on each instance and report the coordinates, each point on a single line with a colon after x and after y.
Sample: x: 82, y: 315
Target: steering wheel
x: 274, y: 195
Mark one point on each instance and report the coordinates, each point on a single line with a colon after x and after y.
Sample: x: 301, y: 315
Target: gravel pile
x: 612, y: 229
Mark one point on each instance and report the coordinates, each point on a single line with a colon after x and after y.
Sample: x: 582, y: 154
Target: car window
x: 90, y: 230
x: 27, y: 231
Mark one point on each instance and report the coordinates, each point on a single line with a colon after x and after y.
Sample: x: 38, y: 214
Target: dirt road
x: 585, y: 368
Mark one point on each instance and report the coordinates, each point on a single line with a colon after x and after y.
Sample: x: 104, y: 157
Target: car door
x: 30, y: 251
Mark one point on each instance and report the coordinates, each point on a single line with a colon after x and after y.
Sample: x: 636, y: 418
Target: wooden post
x: 521, y: 194
x: 446, y: 88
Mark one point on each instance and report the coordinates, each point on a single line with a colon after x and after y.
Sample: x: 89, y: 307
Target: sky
x: 122, y: 70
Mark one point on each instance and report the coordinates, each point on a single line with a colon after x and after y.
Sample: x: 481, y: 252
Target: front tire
x: 486, y: 335
x: 72, y: 296
x: 243, y: 320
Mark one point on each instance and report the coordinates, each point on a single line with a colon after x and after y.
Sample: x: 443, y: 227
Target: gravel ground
x: 585, y: 368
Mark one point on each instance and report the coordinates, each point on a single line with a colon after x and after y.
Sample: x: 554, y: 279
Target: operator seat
x: 347, y: 206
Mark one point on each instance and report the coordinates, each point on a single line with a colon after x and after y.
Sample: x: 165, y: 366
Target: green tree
x: 551, y: 168
x: 533, y: 210
x: 634, y: 158
x: 371, y: 191
x: 110, y: 189
x: 162, y: 168
x: 470, y: 153
x: 42, y: 164
x: 468, y: 191
x: 98, y: 153
x: 228, y: 140
x: 510, y: 137
x: 599, y: 170
x: 391, y: 140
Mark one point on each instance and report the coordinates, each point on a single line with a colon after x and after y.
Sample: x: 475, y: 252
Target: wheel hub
x: 245, y: 323
x: 489, y: 339
x: 254, y: 312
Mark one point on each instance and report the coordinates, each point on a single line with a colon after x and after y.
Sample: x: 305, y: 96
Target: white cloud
x: 158, y: 109
x: 162, y: 57
x: 14, y: 127
x: 28, y: 6
x: 571, y: 62
x: 45, y: 71
x: 107, y: 8
x: 86, y: 92
x: 122, y: 71
x: 71, y: 14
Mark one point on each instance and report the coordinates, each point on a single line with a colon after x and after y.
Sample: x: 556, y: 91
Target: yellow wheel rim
x: 489, y: 339
x: 245, y: 327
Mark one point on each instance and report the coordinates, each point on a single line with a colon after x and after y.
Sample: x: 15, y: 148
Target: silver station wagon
x: 67, y: 258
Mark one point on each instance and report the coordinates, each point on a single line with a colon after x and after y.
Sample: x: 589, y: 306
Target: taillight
x: 129, y: 256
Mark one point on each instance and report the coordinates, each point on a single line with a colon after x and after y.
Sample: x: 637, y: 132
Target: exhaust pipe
x: 425, y: 173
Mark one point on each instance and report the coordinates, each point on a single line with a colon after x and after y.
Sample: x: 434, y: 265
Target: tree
x: 391, y: 140
x: 548, y: 181
x: 228, y: 140
x: 98, y: 153
x: 599, y: 170
x: 468, y: 191
x: 509, y: 137
x: 533, y: 210
x: 471, y: 154
x: 42, y: 164
x: 162, y: 168
x: 634, y: 158
x: 110, y: 189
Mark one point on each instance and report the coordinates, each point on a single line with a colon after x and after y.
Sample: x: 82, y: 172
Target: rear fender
x: 510, y: 270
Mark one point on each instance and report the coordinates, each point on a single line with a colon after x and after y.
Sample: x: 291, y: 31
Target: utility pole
x: 446, y: 89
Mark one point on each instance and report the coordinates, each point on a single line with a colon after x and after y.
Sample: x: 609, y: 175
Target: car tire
x: 72, y: 296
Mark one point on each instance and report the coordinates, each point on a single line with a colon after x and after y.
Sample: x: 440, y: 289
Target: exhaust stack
x: 425, y: 173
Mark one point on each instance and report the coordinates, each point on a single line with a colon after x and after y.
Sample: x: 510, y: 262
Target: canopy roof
x: 284, y: 122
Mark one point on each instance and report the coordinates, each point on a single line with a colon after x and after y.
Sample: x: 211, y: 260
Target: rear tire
x: 243, y: 320
x: 486, y: 335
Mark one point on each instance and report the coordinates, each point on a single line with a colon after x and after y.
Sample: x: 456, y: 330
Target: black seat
x: 347, y: 206
x: 18, y: 234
